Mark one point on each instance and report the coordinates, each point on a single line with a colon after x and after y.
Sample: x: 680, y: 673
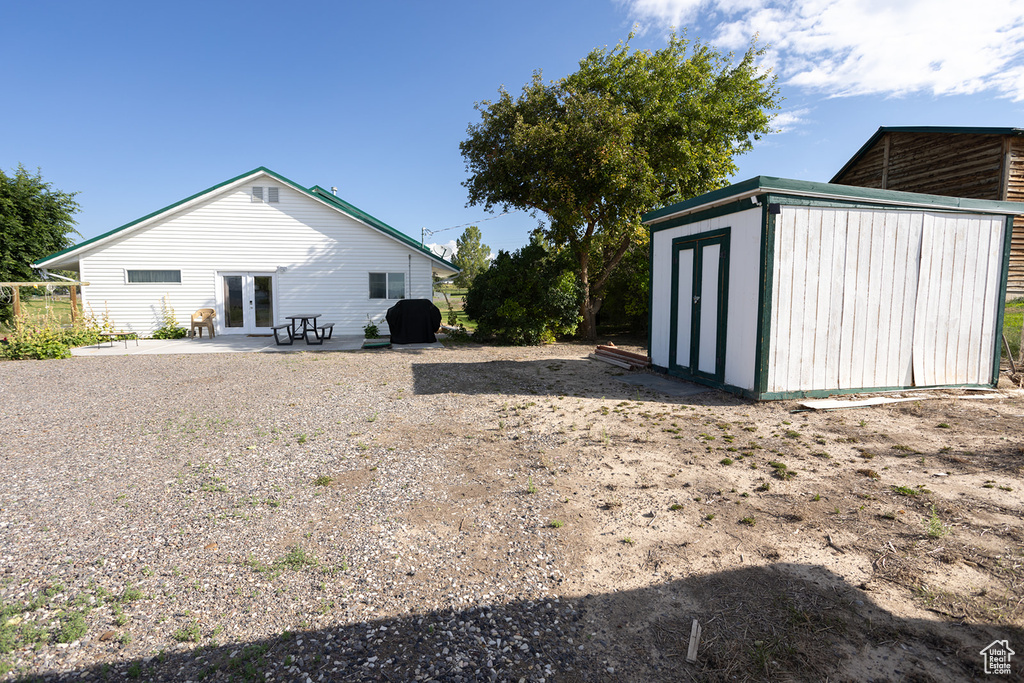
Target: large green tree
x: 35, y: 221
x: 628, y: 132
x: 470, y: 256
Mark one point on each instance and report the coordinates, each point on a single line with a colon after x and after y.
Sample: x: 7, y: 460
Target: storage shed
x: 775, y: 288
x: 981, y: 163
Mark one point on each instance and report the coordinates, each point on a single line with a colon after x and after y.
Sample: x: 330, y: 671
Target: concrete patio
x: 228, y: 344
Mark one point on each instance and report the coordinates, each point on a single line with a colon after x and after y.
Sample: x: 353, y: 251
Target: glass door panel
x: 234, y: 298
x: 263, y: 300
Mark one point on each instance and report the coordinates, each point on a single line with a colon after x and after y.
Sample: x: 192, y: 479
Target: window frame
x: 129, y: 281
x: 388, y: 284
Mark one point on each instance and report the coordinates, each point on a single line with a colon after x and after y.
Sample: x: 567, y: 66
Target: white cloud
x: 868, y: 47
x: 787, y: 120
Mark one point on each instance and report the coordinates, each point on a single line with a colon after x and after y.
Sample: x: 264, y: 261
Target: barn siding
x: 951, y: 164
x: 327, y: 258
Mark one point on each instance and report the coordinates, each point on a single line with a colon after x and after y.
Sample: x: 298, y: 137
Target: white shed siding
x: 881, y: 298
x: 327, y: 257
x: 744, y: 286
x: 955, y: 334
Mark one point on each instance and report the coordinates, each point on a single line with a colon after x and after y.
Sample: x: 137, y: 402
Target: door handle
x: 696, y: 299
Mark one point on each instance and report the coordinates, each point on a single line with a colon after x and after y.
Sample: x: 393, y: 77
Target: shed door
x: 700, y: 272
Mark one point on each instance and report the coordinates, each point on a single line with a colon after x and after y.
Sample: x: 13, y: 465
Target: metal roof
x: 316, y: 192
x: 804, y: 188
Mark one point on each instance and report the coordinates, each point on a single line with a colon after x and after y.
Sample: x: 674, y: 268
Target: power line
x: 425, y: 232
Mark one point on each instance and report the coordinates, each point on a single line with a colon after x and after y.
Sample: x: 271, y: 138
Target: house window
x: 387, y: 285
x: 271, y: 194
x: 138, y: 276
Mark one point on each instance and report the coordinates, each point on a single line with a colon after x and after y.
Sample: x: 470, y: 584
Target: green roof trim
x: 316, y: 192
x: 942, y: 130
x: 380, y: 225
x: 767, y: 184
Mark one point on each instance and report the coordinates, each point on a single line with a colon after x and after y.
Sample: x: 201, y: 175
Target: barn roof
x: 941, y: 130
x: 805, y: 188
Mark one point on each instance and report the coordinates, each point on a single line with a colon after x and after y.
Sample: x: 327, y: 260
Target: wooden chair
x: 200, y: 319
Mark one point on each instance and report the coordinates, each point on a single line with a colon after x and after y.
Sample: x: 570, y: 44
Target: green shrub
x: 170, y: 329
x: 527, y: 297
x: 41, y: 340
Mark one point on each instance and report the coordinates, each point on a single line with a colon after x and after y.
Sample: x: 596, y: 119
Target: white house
x: 254, y: 248
x: 775, y: 288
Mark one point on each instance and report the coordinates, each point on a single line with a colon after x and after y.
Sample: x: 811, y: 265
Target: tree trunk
x: 589, y: 329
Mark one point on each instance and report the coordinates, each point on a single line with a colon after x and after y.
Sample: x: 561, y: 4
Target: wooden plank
x: 992, y: 303
x: 924, y: 310
x: 860, y: 342
x: 955, y: 327
x: 833, y: 354
x: 973, y: 301
x: 821, y: 378
x: 691, y: 650
x: 622, y: 352
x: 875, y: 329
x: 911, y: 276
x: 611, y: 361
x: 847, y: 349
x: 798, y: 328
x: 782, y: 302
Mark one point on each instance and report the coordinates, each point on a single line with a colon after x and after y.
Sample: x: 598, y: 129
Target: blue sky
x: 138, y: 105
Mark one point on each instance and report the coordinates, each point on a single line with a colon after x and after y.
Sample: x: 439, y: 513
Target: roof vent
x: 257, y: 194
x: 272, y: 195
x: 334, y: 191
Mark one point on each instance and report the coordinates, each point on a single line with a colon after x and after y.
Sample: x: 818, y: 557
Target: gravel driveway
x: 324, y: 516
x: 483, y: 514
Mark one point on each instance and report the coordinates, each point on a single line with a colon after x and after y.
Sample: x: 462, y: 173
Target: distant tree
x: 35, y: 221
x: 628, y: 132
x: 470, y: 256
x: 526, y: 297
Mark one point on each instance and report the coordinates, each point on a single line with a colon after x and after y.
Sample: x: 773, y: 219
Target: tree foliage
x: 35, y: 221
x: 470, y: 256
x: 526, y: 297
x: 628, y: 132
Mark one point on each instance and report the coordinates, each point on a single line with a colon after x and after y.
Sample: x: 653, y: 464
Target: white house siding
x: 326, y: 256
x: 882, y: 298
x: 744, y: 274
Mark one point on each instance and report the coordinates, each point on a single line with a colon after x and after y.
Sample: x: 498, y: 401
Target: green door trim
x: 698, y: 242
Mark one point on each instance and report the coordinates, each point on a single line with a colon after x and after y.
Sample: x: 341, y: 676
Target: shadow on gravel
x: 555, y: 377
x: 777, y: 622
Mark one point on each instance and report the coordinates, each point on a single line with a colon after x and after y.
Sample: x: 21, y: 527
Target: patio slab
x: 225, y: 343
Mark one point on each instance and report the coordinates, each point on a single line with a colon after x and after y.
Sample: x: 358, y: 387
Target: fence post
x: 73, y: 289
x: 17, y: 301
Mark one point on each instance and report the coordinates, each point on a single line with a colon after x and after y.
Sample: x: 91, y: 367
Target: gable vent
x: 257, y: 194
x: 272, y: 194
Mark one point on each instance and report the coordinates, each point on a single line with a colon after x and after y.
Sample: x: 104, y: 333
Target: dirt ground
x: 880, y: 543
x: 871, y: 544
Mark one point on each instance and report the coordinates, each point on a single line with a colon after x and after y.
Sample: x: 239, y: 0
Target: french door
x: 246, y: 302
x: 700, y: 282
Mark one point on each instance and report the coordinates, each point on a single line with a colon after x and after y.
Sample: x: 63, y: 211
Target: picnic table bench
x: 117, y: 336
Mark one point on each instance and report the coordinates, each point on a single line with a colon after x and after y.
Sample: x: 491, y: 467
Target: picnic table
x: 302, y: 325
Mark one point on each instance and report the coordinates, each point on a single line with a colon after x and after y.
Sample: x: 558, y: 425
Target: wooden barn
x: 980, y: 163
x: 775, y: 288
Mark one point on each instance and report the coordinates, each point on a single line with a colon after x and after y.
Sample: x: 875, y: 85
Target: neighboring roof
x: 805, y: 188
x: 316, y: 192
x: 942, y: 130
